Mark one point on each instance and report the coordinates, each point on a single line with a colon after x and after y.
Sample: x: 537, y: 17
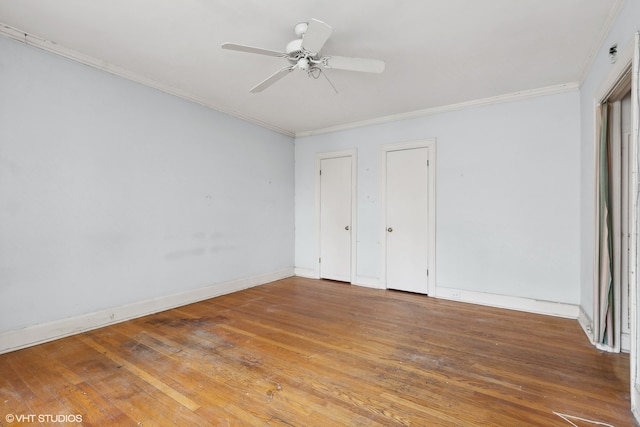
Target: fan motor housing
x: 294, y: 48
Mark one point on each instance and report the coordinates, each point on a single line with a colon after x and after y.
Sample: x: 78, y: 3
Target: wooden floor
x: 301, y: 352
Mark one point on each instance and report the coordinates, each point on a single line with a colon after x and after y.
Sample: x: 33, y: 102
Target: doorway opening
x: 614, y: 217
x: 616, y: 297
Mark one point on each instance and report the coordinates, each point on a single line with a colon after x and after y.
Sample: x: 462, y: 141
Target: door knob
x: 346, y: 228
x: 389, y: 229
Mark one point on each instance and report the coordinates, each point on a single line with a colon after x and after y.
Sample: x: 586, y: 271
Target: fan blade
x: 251, y: 49
x: 272, y: 79
x: 353, y: 64
x: 316, y: 36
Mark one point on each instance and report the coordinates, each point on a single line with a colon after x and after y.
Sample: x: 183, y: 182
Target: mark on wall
x: 185, y: 253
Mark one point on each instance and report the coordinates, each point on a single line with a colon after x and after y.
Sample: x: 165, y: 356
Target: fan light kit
x: 304, y: 53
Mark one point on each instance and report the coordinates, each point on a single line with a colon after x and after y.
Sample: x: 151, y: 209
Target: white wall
x: 507, y: 196
x: 621, y: 33
x: 113, y: 193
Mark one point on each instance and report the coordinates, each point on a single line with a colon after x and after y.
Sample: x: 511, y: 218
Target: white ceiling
x: 437, y: 53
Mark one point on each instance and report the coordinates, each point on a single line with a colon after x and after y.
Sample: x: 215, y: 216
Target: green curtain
x: 603, y: 328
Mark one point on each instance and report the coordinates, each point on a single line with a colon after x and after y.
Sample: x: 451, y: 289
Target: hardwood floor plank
x: 40, y: 399
x: 502, y: 389
x: 13, y: 400
x: 231, y: 352
x: 313, y: 352
x: 198, y: 357
x: 160, y: 385
x: 389, y: 373
x: 144, y: 404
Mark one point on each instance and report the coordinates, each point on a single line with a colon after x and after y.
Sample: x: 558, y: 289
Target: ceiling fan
x: 304, y: 54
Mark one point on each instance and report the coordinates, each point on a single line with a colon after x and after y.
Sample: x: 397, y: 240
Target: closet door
x: 335, y: 218
x: 407, y: 219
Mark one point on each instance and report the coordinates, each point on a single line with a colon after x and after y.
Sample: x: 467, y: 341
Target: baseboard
x: 587, y: 324
x: 529, y: 305
x: 369, y: 282
x: 37, y: 334
x: 308, y: 273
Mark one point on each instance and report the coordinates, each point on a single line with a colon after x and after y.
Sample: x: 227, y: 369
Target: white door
x: 407, y: 225
x: 335, y: 218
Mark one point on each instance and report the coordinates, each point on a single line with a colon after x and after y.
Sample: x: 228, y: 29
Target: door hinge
x: 427, y: 272
x: 319, y: 260
x: 320, y: 171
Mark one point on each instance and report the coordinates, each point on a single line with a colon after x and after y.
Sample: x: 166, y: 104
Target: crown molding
x: 509, y: 97
x: 50, y: 46
x: 604, y: 32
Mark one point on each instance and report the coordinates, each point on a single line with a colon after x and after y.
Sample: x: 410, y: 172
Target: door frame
x: 633, y: 294
x: 609, y: 90
x: 430, y: 145
x: 628, y: 59
x: 353, y: 153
